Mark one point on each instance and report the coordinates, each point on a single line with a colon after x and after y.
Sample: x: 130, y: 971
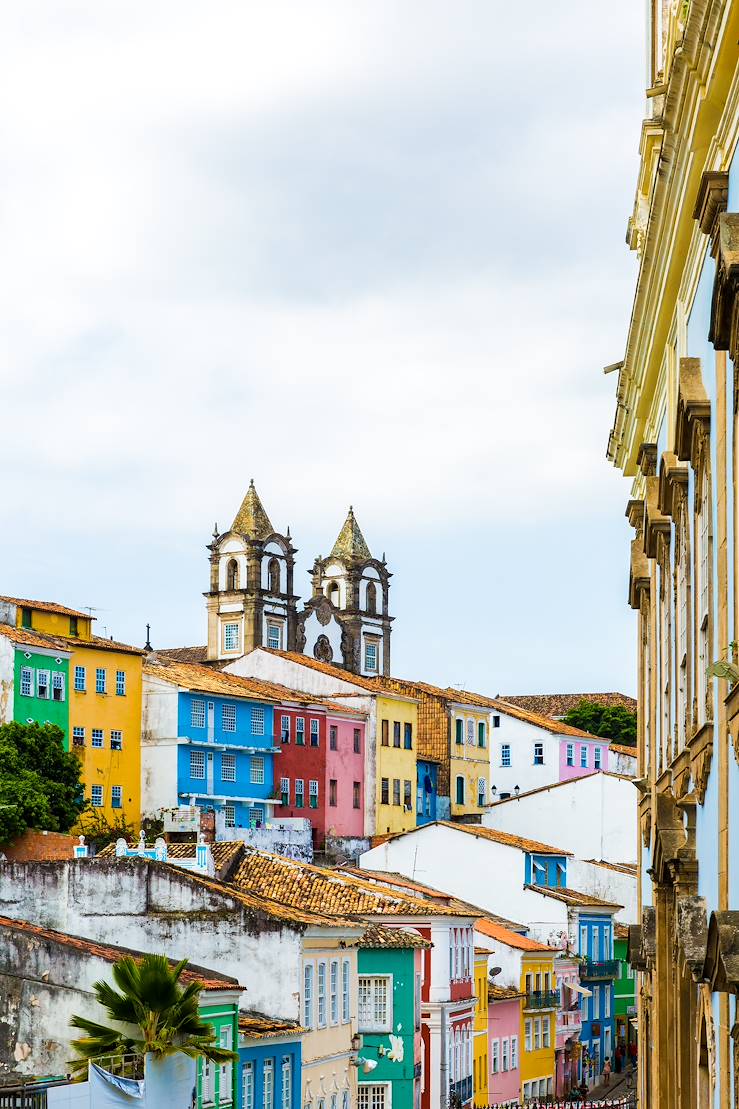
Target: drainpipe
x: 444, y: 1078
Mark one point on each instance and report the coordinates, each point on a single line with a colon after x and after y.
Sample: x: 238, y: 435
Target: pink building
x: 504, y: 1028
x: 568, y: 1024
x: 582, y: 754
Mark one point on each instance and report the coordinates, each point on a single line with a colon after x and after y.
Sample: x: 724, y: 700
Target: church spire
x: 251, y: 519
x: 350, y: 544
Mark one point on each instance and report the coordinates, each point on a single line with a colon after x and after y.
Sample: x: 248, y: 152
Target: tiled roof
x: 574, y: 897
x: 224, y: 852
x: 47, y: 606
x: 507, y: 839
x: 350, y: 543
x: 503, y: 993
x: 622, y: 868
x: 559, y: 704
x: 327, y: 891
x: 623, y: 749
x: 257, y: 1026
x: 204, y: 679
x: 26, y: 638
x: 483, y: 950
x: 620, y: 931
x: 183, y: 654
x: 510, y: 939
x: 377, y: 937
x: 209, y: 979
x: 31, y: 638
x: 538, y: 720
x: 325, y: 668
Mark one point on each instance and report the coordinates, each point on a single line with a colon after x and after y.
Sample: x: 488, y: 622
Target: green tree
x: 40, y: 785
x: 160, y: 1017
x: 612, y: 722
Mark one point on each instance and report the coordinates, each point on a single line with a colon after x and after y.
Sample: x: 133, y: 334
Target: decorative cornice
x: 655, y: 523
x: 646, y: 459
x: 673, y: 480
x: 721, y: 966
x: 638, y: 574
x: 693, y: 409
x: 711, y: 201
x: 724, y: 330
x: 701, y: 756
x: 692, y: 933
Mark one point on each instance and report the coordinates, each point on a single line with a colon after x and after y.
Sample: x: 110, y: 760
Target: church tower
x: 347, y: 619
x: 251, y: 601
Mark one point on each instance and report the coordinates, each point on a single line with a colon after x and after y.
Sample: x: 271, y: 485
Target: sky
x: 367, y: 252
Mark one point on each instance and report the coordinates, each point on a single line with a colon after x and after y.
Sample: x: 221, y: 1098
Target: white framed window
x: 505, y: 754
x: 285, y: 729
x: 308, y: 976
x: 27, y: 681
x: 257, y: 770
x: 257, y: 720
x: 538, y: 754
x: 80, y: 679
x: 101, y: 680
x: 345, y: 991
x: 42, y: 685
x: 597, y: 757
x: 372, y: 1095
x: 321, y: 993
x: 209, y: 1082
x: 583, y: 756
x: 197, y: 765
x: 197, y: 714
x: 300, y: 731
x: 268, y: 1084
x: 120, y: 683
x: 374, y: 1003
x: 228, y: 768
x: 595, y: 1004
x: 247, y: 1086
x: 470, y: 732
x: 514, y: 1052
x: 370, y: 656
x: 96, y: 796
x: 116, y: 740
x: 274, y: 636
x: 116, y: 797
x: 97, y: 737
x: 545, y: 1031
x: 495, y: 1055
x: 606, y: 1001
x: 527, y: 1040
x: 537, y: 1033
x: 225, y: 1087
x: 284, y: 791
x: 570, y: 754
x: 228, y: 718
x: 299, y: 793
x: 229, y: 812
x: 596, y: 945
x: 287, y: 1082
x: 231, y: 637
x: 504, y: 1056
x: 314, y: 737
x: 78, y: 737
x: 334, y: 991
x: 313, y: 794
x: 57, y: 686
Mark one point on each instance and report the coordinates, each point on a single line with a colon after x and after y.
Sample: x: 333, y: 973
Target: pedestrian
x: 619, y: 1058
x: 607, y: 1073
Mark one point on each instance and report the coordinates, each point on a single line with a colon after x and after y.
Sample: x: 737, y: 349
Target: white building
x: 593, y: 817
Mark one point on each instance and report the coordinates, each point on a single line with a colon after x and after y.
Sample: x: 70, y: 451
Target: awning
x: 579, y: 989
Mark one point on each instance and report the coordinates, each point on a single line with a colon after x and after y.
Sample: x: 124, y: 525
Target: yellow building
x: 480, y: 1028
x: 469, y: 758
x: 538, y: 1023
x: 397, y: 733
x: 104, y: 706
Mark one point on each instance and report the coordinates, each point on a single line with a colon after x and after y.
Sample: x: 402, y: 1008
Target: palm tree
x: 160, y: 1017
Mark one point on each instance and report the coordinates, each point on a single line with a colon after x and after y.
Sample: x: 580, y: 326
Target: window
x: 308, y: 995
x: 396, y: 791
x: 57, y: 686
x: 595, y: 1004
x: 321, y: 995
x: 459, y: 730
x: 356, y: 795
x: 460, y: 789
x: 537, y: 1033
x: 703, y: 527
x: 538, y: 754
x: 481, y: 736
x: 230, y: 637
x: 596, y: 945
x: 274, y: 636
x: 583, y: 940
x: 597, y: 758
x: 209, y: 1082
x: 120, y: 683
x: 345, y: 992
x: 527, y: 1035
x: 116, y: 740
x: 26, y: 621
x: 470, y: 732
x: 300, y: 731
x: 284, y: 791
x: 27, y: 681
x: 371, y: 1096
x: 247, y: 1086
x: 78, y: 737
x: 197, y: 714
x: 370, y: 656
x: 268, y: 1084
x: 385, y: 791
x: 228, y: 718
x: 332, y: 793
x: 407, y: 795
x: 583, y: 756
x: 97, y: 737
x: 504, y: 1054
x: 101, y: 680
x: 396, y: 733
x: 285, y: 729
x: 545, y: 1031
x: 229, y: 812
x: 481, y: 792
x: 257, y: 720
x: 333, y: 737
x: 505, y: 754
x: 197, y: 765
x: 228, y: 768
x: 42, y: 684
x: 314, y: 733
x: 299, y: 793
x: 495, y: 1055
x: 514, y: 1052
x: 570, y: 754
x: 357, y: 741
x: 232, y: 574
x: 334, y: 991
x: 96, y: 796
x: 606, y: 1001
x: 116, y: 797
x: 257, y: 770
x: 287, y: 1083
x: 373, y: 1004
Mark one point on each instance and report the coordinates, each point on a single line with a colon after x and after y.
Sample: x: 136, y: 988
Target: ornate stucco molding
x: 700, y: 746
x: 673, y: 484
x: 692, y: 933
x: 656, y: 524
x: 693, y: 414
x: 721, y: 966
x: 724, y: 330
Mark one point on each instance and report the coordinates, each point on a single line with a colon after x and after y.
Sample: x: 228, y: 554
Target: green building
x: 36, y: 670
x: 624, y: 989
x: 389, y: 971
x: 217, y: 1083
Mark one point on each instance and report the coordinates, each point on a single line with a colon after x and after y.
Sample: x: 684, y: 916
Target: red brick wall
x: 40, y: 846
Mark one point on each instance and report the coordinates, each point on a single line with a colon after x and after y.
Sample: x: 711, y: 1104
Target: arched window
x: 371, y: 597
x: 333, y: 593
x: 460, y: 789
x: 273, y: 572
x: 232, y: 574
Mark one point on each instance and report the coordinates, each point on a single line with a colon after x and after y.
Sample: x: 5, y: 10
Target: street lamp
x: 516, y: 790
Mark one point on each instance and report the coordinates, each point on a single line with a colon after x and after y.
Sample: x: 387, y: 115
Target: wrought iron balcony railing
x: 542, y: 999
x: 607, y: 968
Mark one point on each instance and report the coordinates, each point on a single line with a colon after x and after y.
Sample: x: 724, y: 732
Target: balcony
x: 607, y: 968
x: 460, y: 1092
x: 542, y: 999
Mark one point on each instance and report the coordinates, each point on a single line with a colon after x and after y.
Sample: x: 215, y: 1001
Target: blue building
x: 546, y: 870
x: 598, y: 970
x: 427, y: 788
x: 270, y: 1060
x: 208, y: 741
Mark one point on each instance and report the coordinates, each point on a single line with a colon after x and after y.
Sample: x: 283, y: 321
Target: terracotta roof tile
x: 559, y: 704
x: 620, y: 931
x: 209, y: 979
x: 507, y: 839
x: 325, y: 668
x: 257, y: 1026
x: 574, y: 897
x: 511, y: 939
x: 224, y: 852
x: 184, y: 654
x: 47, y: 606
x: 623, y: 868
x: 65, y: 642
x: 378, y: 937
x: 503, y: 993
x: 623, y: 749
x: 25, y: 638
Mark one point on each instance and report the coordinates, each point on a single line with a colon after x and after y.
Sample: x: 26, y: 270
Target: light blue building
x: 427, y: 789
x: 270, y: 1061
x: 598, y: 970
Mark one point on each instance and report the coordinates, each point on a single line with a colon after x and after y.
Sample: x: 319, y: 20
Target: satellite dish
x: 493, y: 971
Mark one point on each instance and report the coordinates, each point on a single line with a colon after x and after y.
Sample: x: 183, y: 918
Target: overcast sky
x: 368, y: 252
